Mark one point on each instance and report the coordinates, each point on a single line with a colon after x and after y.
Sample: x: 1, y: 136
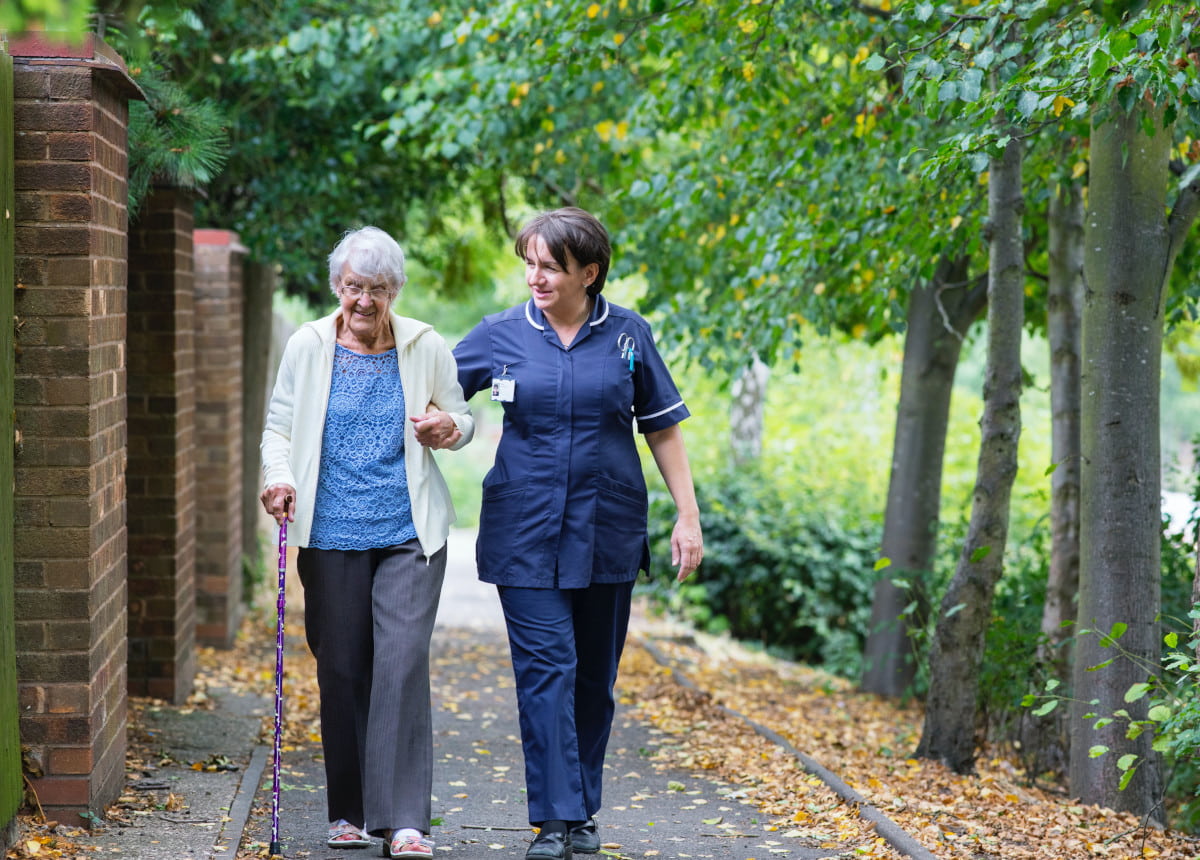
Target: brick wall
x: 161, y: 475
x: 70, y: 118
x: 219, y: 607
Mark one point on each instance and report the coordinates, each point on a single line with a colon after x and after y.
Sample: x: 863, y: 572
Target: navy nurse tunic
x: 565, y: 504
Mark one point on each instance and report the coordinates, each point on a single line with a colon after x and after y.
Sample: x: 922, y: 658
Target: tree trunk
x: 1045, y: 739
x: 1126, y: 263
x: 939, y: 315
x: 1065, y: 301
x: 746, y: 413
x: 949, y: 731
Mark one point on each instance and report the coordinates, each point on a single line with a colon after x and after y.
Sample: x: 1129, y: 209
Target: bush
x: 777, y: 570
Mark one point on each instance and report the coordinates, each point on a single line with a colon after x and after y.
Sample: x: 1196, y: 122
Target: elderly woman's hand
x: 436, y: 429
x: 279, y: 500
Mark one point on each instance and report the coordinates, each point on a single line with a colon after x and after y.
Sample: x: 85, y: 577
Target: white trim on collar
x: 529, y: 314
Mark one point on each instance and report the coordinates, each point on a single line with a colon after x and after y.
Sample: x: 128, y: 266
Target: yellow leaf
x: 434, y: 19
x: 1060, y: 102
x: 619, y: 39
x: 32, y: 847
x: 593, y: 10
x: 1079, y: 168
x: 955, y: 221
x: 748, y: 25
x: 861, y: 54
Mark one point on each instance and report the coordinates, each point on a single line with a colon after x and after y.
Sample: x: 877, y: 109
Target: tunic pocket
x: 620, y: 529
x: 500, y: 529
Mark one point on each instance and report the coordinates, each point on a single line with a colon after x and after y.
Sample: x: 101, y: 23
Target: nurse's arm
x: 687, y: 542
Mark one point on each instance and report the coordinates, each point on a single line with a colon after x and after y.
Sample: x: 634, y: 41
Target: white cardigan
x: 295, y: 424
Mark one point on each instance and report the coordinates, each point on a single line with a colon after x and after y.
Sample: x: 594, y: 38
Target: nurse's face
x: 559, y: 293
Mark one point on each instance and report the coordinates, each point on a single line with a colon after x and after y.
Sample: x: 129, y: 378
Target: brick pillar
x: 161, y: 476
x: 70, y: 118
x: 219, y: 603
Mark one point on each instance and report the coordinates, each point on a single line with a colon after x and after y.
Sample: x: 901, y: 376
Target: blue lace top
x: 362, y: 489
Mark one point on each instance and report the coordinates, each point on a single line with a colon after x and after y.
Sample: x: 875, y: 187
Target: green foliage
x: 61, y: 16
x: 1166, y: 704
x: 779, y: 569
x: 172, y: 139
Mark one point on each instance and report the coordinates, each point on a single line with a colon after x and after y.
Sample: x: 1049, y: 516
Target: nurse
x: 562, y: 530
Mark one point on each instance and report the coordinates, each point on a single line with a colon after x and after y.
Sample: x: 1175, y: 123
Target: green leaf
x: 881, y: 563
x: 1126, y: 761
x: 948, y: 91
x: 1172, y: 639
x: 1137, y: 691
x: 1160, y: 713
x: 1125, y: 778
x: 1052, y: 684
x: 1046, y: 708
x: 924, y: 11
x: 1097, y: 751
x: 1117, y: 631
x: 1027, y: 103
x: 971, y: 85
x: 981, y: 553
x: 874, y: 63
x: 1100, y: 666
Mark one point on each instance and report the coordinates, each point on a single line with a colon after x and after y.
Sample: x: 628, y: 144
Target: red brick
x: 70, y: 207
x: 52, y: 176
x: 58, y: 116
x: 52, y: 240
x: 66, y: 761
x: 62, y: 791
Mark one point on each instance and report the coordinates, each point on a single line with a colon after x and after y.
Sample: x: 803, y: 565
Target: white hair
x: 369, y: 252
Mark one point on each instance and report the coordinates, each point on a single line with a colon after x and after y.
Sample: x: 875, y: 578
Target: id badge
x: 504, y: 389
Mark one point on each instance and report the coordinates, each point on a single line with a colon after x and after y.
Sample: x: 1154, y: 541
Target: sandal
x: 343, y: 834
x: 412, y: 847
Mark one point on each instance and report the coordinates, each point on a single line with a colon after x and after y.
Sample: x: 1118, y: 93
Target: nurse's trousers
x: 368, y: 619
x: 566, y: 644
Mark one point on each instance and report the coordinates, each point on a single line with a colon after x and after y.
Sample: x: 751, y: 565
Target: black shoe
x: 550, y: 846
x: 584, y: 838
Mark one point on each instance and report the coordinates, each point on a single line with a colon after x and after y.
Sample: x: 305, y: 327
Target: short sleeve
x: 657, y: 403
x: 473, y: 355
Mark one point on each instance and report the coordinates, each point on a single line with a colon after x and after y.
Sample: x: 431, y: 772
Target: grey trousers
x: 368, y: 619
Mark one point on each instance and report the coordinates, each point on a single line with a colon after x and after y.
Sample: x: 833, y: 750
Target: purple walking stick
x: 274, y: 848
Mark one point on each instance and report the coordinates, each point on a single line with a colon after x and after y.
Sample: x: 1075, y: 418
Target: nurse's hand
x: 687, y: 546
x: 436, y: 429
x: 279, y: 500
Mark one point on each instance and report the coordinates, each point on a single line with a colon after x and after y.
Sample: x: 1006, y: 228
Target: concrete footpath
x: 479, y: 790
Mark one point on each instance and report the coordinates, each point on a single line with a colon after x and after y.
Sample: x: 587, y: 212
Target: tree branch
x: 1183, y: 215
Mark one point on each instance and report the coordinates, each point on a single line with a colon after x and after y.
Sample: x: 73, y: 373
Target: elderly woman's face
x: 365, y: 303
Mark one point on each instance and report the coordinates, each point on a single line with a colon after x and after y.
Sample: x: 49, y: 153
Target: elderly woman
x: 562, y: 530
x: 362, y: 396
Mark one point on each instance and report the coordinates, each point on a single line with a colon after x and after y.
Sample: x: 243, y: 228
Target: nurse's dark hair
x: 570, y: 229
